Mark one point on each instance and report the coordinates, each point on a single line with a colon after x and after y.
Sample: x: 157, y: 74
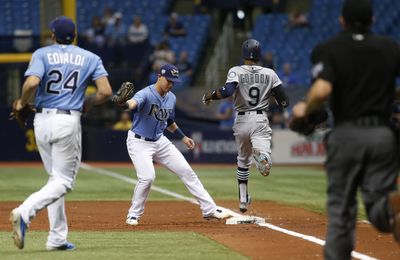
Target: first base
x: 244, y: 220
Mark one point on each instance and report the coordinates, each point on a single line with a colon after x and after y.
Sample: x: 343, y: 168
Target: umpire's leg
x: 380, y: 177
x: 343, y: 170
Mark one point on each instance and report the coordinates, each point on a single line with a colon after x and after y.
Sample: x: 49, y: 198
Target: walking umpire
x: 356, y: 70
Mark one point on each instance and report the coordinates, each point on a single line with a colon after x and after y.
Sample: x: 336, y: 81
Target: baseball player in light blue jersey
x: 56, y: 79
x: 153, y: 111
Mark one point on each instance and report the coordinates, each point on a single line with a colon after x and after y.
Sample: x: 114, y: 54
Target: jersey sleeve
x: 276, y: 81
x: 140, y: 98
x: 172, y: 113
x: 321, y: 65
x: 233, y: 75
x: 36, y: 65
x: 99, y: 70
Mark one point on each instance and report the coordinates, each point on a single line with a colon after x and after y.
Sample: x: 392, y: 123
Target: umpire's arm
x: 316, y: 97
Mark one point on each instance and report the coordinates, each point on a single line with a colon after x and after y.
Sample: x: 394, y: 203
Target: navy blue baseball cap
x: 170, y: 72
x: 63, y: 28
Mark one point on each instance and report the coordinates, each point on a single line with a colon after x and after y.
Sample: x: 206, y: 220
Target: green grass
x: 120, y: 245
x: 301, y: 186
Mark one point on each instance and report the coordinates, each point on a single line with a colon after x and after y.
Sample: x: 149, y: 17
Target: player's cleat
x: 133, y: 221
x: 263, y: 162
x: 394, y: 202
x: 219, y: 214
x: 66, y: 247
x: 19, y: 228
x: 244, y: 204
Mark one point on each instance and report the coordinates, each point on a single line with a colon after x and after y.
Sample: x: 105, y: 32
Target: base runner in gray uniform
x: 251, y: 86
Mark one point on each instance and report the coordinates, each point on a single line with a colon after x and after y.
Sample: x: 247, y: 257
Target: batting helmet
x: 251, y: 50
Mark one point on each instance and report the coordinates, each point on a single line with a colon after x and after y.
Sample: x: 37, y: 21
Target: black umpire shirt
x: 362, y: 69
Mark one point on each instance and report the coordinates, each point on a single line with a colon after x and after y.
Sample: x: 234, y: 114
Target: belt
x: 244, y: 112
x: 58, y: 111
x: 144, y: 138
x: 366, y: 121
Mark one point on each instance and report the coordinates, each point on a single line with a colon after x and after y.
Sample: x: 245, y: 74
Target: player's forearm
x: 130, y: 105
x: 29, y: 89
x: 280, y: 96
x: 103, y: 93
x: 174, y: 128
x: 226, y: 91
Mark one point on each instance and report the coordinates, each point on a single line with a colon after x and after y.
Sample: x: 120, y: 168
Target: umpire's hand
x: 299, y: 110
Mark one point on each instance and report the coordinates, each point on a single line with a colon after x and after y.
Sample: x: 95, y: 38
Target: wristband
x: 125, y: 106
x: 214, y: 95
x: 180, y: 133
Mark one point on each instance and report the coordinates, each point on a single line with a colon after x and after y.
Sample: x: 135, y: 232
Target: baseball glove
x: 22, y: 115
x: 307, y: 125
x: 206, y: 98
x: 124, y: 93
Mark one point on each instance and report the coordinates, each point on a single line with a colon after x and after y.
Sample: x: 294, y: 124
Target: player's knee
x: 147, y: 180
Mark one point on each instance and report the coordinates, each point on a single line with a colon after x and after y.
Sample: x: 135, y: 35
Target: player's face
x: 165, y: 84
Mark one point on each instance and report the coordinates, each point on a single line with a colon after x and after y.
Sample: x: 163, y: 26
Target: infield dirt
x: 251, y: 240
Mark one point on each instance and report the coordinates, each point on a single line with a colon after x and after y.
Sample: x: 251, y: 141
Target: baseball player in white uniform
x: 57, y: 79
x: 153, y: 111
x: 251, y: 86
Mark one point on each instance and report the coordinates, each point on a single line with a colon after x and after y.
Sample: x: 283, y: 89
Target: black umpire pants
x: 358, y: 157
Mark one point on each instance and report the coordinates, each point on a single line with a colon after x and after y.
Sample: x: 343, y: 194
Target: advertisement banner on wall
x: 290, y: 147
x: 212, y: 146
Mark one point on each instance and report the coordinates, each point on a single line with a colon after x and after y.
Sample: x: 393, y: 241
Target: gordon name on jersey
x: 253, y: 78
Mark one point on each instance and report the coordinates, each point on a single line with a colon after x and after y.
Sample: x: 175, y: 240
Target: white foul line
x: 191, y: 200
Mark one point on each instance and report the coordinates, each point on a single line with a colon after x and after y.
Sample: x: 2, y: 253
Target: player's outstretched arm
x: 223, y: 92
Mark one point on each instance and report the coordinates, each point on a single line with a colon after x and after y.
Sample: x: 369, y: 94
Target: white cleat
x: 132, y: 221
x: 19, y: 228
x: 244, y: 205
x: 220, y: 214
x: 263, y: 162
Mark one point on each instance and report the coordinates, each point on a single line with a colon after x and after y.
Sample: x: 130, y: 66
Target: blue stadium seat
x: 295, y: 45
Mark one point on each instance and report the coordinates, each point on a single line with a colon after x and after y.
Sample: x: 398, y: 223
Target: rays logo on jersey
x: 161, y: 114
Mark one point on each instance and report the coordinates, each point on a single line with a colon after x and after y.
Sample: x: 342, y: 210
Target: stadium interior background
x: 213, y: 31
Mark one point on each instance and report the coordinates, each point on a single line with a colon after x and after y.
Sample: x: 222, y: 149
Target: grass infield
x: 120, y: 245
x: 303, y: 187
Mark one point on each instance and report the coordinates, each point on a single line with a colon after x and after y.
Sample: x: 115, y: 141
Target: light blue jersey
x: 153, y: 112
x: 65, y: 71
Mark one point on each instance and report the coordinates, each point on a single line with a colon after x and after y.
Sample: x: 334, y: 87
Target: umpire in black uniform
x: 356, y: 71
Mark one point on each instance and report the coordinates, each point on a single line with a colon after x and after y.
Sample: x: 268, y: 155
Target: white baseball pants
x: 58, y: 137
x: 143, y: 153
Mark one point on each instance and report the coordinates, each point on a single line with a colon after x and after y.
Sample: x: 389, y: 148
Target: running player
x: 251, y: 86
x: 154, y: 110
x: 57, y: 78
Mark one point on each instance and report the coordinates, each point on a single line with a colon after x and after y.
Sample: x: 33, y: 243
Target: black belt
x: 146, y: 139
x: 367, y: 121
x: 59, y: 111
x: 243, y: 113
